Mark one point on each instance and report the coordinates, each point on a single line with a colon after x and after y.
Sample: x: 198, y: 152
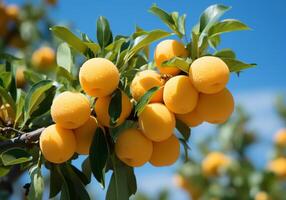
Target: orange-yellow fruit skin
x: 192, y: 189
x: 262, y: 196
x: 144, y: 81
x: 102, y: 106
x: 57, y: 144
x: 166, y: 152
x: 133, y: 148
x: 179, y: 95
x: 166, y: 50
x: 214, y: 162
x: 278, y: 167
x: 280, y: 138
x: 98, y: 77
x: 43, y: 59
x: 12, y: 12
x: 215, y: 108
x: 191, y: 119
x: 209, y: 74
x: 70, y: 110
x: 84, y: 135
x: 20, y: 78
x: 157, y: 122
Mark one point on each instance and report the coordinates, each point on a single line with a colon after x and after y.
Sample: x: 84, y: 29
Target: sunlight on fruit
x: 133, y: 148
x: 57, y: 144
x: 98, y: 77
x: 157, y: 122
x: 209, y: 74
x: 70, y: 110
x: 166, y: 50
x: 84, y: 135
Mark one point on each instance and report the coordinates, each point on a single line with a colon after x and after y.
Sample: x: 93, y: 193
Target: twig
x: 22, y: 140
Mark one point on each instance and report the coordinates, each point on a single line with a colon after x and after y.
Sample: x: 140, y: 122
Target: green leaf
x: 86, y: 169
x: 75, y: 185
x: 115, y: 132
x: 64, y: 56
x: 115, y: 106
x: 145, y: 99
x: 181, y: 63
x: 66, y: 35
x: 123, y: 181
x: 211, y: 15
x: 103, y: 32
x: 164, y: 16
x: 227, y: 25
x: 20, y: 105
x: 7, y: 97
x: 4, y: 171
x: 184, y: 130
x: 56, y: 181
x: 194, y: 45
x: 186, y: 148
x: 182, y: 24
x: 33, y: 77
x: 214, y: 41
x: 145, y: 40
x: 37, y: 184
x: 98, y: 155
x: 93, y: 47
x: 80, y: 175
x: 225, y: 53
x: 8, y: 57
x: 39, y: 99
x: 5, y: 79
x: 236, y: 65
x: 15, y: 156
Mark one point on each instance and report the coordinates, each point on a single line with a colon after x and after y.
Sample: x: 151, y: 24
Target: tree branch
x: 22, y: 140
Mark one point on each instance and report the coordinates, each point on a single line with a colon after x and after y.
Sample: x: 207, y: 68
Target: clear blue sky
x: 264, y: 45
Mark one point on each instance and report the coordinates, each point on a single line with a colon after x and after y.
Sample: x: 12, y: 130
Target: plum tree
x: 214, y: 162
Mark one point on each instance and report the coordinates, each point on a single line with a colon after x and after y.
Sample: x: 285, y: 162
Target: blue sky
x: 255, y: 88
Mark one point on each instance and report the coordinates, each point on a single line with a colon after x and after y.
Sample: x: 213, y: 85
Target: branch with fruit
x: 117, y: 107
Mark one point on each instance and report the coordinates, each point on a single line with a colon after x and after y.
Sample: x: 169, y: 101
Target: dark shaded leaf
x: 115, y: 106
x: 103, y: 32
x: 145, y: 99
x: 56, y: 181
x: 184, y: 130
x: 123, y: 181
x: 15, y: 156
x: 98, y: 155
